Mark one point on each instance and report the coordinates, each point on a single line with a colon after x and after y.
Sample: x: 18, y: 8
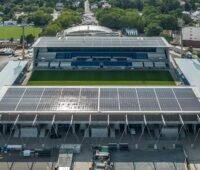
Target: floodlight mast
x: 180, y: 25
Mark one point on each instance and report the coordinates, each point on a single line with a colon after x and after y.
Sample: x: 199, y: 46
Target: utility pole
x: 198, y: 21
x: 24, y: 22
x: 180, y: 25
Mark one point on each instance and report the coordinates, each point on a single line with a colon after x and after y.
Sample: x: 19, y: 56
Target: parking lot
x: 144, y: 158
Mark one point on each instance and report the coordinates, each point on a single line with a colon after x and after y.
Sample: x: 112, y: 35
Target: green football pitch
x: 16, y: 31
x: 86, y: 77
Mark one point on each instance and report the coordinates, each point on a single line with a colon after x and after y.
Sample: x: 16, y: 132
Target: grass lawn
x: 85, y: 77
x: 16, y: 32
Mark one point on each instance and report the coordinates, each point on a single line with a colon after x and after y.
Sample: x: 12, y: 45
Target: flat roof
x: 98, y: 100
x: 11, y: 72
x: 92, y: 41
x: 191, y: 70
x: 191, y: 33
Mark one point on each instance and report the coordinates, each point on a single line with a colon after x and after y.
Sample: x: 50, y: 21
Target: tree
x: 168, y: 22
x: 11, y: 39
x: 166, y: 36
x: 21, y: 39
x: 40, y: 18
x: 30, y: 38
x: 52, y: 29
x: 169, y: 5
x: 125, y: 4
x: 68, y: 18
x: 198, y: 54
x: 111, y: 20
x: 153, y: 29
x: 116, y: 18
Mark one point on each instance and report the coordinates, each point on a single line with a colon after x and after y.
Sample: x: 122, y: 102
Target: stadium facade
x: 93, y: 52
x: 99, y: 111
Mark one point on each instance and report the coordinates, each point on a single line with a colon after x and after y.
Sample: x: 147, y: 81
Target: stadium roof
x: 106, y: 100
x: 191, y: 70
x: 13, y: 69
x: 93, y: 41
x: 87, y: 28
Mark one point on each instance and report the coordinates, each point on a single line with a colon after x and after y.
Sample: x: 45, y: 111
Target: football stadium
x: 86, y: 93
x: 113, y: 61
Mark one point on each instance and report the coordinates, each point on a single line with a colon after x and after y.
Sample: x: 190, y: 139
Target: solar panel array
x: 99, y: 99
x: 76, y: 41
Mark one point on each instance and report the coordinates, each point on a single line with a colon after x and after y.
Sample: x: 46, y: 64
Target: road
x: 4, y: 60
x: 87, y: 6
x: 88, y: 16
x: 55, y: 15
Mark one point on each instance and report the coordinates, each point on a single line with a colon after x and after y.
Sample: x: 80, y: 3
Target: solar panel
x: 49, y: 104
x: 169, y: 105
x: 109, y: 105
x: 102, y: 42
x: 129, y: 105
x: 89, y: 99
x: 89, y: 104
x: 184, y: 93
x: 51, y: 92
x: 189, y: 104
x: 127, y: 93
x: 149, y: 105
x: 145, y: 93
x: 89, y: 93
x: 14, y: 92
x: 70, y: 93
x: 8, y: 104
x: 27, y: 104
x: 67, y: 104
x: 164, y: 93
x: 108, y: 93
x: 33, y: 93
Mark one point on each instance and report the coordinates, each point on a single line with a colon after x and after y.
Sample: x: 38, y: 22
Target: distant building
x: 106, y: 6
x: 191, y: 37
x: 18, y: 14
x: 76, y: 4
x: 196, y: 15
x: 59, y: 6
x: 94, y: 6
x: 10, y: 23
x: 130, y: 32
x: 186, y: 13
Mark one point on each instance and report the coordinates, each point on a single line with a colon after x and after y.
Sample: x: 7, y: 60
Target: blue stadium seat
x: 63, y: 56
x: 85, y: 63
x: 117, y: 63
